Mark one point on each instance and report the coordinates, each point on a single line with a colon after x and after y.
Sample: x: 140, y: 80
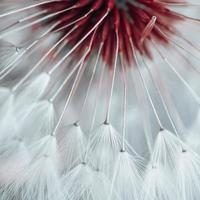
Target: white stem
x: 69, y: 97
x: 161, y: 97
x: 145, y: 86
x: 182, y: 4
x: 73, y: 22
x: 125, y: 102
x: 91, y: 80
x: 11, y: 66
x: 74, y: 86
x: 42, y: 59
x: 33, y: 23
x: 82, y: 39
x: 176, y: 44
x: 59, y: 49
x: 97, y: 97
x: 23, y: 20
x: 67, y: 79
x: 113, y: 80
x: 28, y: 7
x: 185, y: 83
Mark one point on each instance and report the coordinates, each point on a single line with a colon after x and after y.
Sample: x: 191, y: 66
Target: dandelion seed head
x: 99, y: 100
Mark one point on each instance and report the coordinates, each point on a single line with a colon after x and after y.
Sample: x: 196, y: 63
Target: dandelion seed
x: 72, y: 137
x: 159, y: 174
x: 14, y: 157
x: 157, y: 185
x: 84, y: 182
x: 127, y: 178
x: 36, y: 182
x: 104, y: 147
x: 187, y: 177
x: 43, y: 114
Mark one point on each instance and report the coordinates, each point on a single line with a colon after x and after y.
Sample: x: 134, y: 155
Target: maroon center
x: 128, y: 20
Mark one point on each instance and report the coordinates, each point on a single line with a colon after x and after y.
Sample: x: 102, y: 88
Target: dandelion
x: 99, y: 100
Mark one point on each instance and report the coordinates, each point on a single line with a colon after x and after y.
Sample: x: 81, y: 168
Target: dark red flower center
x: 128, y: 23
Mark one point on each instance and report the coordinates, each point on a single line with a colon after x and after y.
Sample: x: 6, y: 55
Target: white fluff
x: 166, y: 150
x: 8, y: 123
x: 158, y: 184
x: 43, y: 115
x: 40, y: 178
x: 160, y: 175
x: 72, y: 146
x: 104, y: 146
x: 32, y: 91
x: 127, y: 179
x: 15, y: 107
x: 14, y: 156
x: 85, y: 183
x: 188, y: 176
x: 46, y: 146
